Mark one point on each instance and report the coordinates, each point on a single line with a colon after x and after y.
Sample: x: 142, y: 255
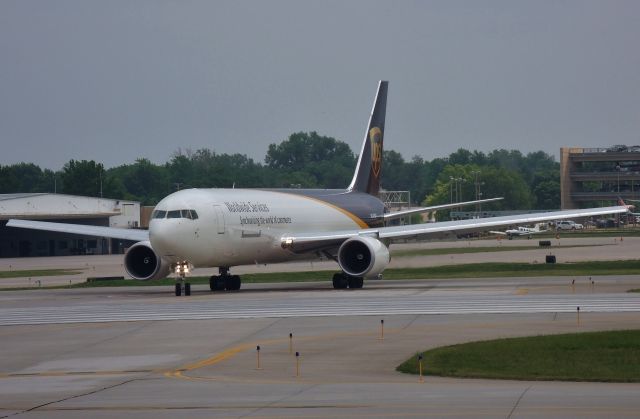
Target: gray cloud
x: 118, y: 80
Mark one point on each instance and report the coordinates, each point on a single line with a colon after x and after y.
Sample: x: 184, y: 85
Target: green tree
x: 145, y: 181
x: 456, y: 183
x: 26, y: 177
x: 205, y: 168
x: 460, y: 157
x: 82, y: 177
x: 326, y: 162
x: 547, y: 194
x: 394, y: 171
x: 545, y: 189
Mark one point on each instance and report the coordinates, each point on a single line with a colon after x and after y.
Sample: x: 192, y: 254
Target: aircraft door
x: 219, y: 219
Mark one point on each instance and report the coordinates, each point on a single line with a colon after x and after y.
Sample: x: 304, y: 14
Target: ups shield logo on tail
x: 375, y: 136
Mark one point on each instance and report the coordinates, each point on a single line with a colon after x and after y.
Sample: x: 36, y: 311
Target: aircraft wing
x: 398, y: 214
x: 322, y: 240
x: 85, y: 230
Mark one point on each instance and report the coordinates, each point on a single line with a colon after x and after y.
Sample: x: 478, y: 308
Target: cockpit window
x: 190, y: 214
x: 158, y: 214
x: 184, y: 213
x: 174, y: 214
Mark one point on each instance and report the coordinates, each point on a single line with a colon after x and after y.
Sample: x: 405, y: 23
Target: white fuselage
x: 522, y: 230
x: 239, y: 226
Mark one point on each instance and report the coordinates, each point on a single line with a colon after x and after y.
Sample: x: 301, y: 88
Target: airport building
x: 598, y: 176
x: 18, y: 242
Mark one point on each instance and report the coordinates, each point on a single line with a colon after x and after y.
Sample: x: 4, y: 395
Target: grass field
x: 463, y: 250
x: 490, y: 270
x: 476, y: 270
x: 592, y: 232
x: 596, y: 356
x: 37, y: 272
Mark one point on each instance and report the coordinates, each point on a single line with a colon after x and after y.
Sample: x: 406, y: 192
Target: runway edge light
x: 258, y: 357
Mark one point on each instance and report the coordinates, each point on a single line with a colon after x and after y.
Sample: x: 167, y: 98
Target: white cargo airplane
x: 521, y: 231
x: 223, y: 228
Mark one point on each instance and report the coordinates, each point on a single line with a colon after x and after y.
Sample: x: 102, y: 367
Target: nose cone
x: 161, y: 236
x: 165, y: 232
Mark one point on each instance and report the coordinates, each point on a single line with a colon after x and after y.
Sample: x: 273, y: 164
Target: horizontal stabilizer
x: 399, y: 214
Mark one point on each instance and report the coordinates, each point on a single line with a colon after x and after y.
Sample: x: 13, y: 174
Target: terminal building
x: 18, y: 242
x: 598, y: 176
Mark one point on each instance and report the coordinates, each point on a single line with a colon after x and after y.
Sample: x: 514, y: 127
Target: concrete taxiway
x: 141, y: 352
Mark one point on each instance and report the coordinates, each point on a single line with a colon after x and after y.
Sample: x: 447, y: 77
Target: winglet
x: 623, y: 204
x: 367, y: 175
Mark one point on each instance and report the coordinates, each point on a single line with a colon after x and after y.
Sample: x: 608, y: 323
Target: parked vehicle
x: 568, y: 225
x: 608, y: 223
x: 618, y: 148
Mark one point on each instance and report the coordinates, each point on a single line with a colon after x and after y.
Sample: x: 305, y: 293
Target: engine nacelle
x: 363, y: 257
x: 143, y: 263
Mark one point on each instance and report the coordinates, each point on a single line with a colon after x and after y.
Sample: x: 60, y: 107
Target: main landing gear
x: 342, y: 280
x: 224, y: 281
x: 182, y: 269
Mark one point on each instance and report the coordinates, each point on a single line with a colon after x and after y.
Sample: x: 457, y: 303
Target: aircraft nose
x: 162, y: 237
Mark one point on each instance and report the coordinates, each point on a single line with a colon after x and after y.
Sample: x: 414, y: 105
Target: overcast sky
x: 115, y: 80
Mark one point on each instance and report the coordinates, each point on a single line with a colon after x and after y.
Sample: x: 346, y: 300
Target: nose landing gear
x: 182, y: 269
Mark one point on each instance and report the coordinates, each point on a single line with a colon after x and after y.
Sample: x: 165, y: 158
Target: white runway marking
x: 237, y: 306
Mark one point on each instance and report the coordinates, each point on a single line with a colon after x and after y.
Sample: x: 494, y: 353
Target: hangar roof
x: 58, y: 206
x: 18, y: 195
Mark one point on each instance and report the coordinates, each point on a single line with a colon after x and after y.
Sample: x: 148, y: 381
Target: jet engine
x: 363, y: 257
x: 143, y: 263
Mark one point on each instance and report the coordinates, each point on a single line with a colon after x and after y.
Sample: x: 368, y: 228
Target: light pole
x: 458, y: 189
x: 451, y: 179
x: 476, y: 173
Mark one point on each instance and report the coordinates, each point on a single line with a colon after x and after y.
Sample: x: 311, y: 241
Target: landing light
x: 287, y: 242
x: 182, y: 268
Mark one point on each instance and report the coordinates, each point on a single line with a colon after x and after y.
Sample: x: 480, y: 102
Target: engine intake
x: 363, y: 257
x: 143, y: 263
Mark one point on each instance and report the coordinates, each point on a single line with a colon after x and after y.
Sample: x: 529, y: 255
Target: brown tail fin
x: 367, y: 175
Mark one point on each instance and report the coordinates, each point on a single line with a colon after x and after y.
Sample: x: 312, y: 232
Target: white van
x: 568, y: 225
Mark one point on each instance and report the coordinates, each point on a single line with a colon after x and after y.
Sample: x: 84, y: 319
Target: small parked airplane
x: 521, y: 231
x: 223, y: 228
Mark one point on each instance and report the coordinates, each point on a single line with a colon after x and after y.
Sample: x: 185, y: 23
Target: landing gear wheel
x: 178, y: 290
x: 340, y: 281
x: 187, y: 289
x: 233, y: 283
x: 225, y: 282
x: 217, y: 283
x: 355, y: 282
